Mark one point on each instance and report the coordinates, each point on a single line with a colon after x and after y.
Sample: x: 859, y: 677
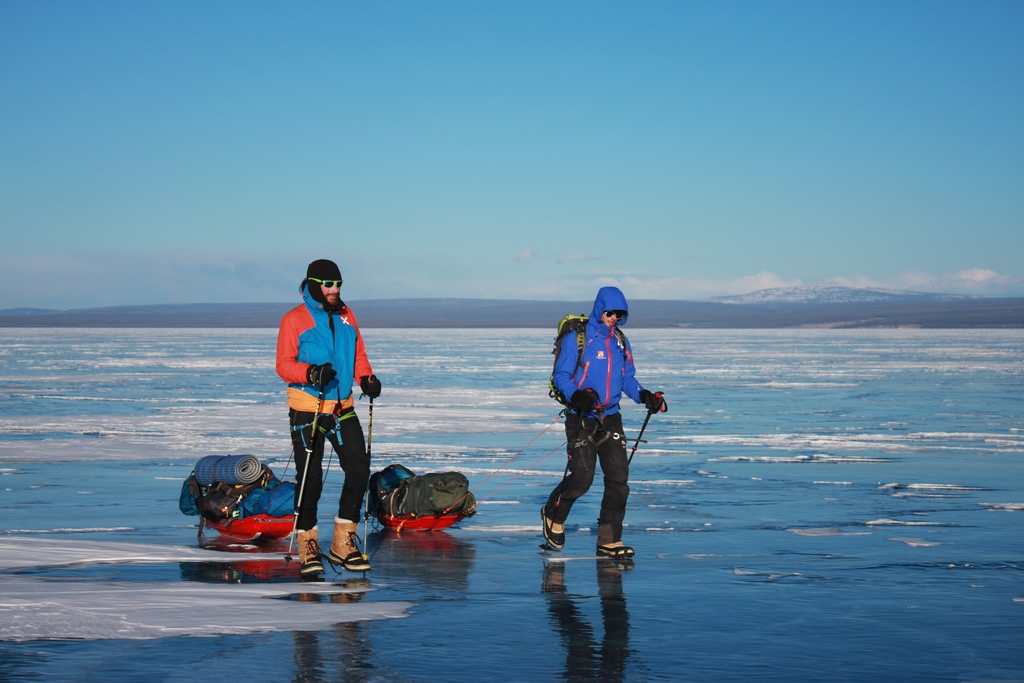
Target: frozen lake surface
x: 840, y: 505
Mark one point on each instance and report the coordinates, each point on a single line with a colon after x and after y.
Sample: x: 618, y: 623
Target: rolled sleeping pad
x: 230, y: 469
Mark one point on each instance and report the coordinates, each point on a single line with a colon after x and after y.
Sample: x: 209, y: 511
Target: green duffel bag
x: 436, y: 493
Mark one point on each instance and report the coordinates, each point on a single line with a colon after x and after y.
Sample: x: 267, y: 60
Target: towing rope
x: 507, y: 462
x: 503, y: 466
x: 542, y: 459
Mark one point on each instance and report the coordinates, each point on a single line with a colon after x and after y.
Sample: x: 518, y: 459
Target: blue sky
x: 179, y: 152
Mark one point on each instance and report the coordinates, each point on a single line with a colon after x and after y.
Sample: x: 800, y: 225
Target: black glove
x: 370, y: 386
x: 321, y: 374
x: 584, y: 399
x: 655, y: 402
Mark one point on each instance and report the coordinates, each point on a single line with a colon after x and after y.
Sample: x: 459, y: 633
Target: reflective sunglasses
x: 616, y: 314
x: 329, y: 284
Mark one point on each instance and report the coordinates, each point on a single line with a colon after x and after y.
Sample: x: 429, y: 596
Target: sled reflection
x: 238, y: 565
x: 243, y: 571
x: 586, y: 659
x: 214, y: 541
x: 431, y: 558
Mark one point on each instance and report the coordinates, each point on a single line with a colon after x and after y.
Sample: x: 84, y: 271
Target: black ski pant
x: 589, y: 441
x: 346, y: 437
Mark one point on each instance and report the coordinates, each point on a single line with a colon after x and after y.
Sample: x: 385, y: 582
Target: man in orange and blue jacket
x: 320, y: 353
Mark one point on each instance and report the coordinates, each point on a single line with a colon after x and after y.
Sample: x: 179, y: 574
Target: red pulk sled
x: 429, y: 523
x: 401, y: 500
x: 256, y: 526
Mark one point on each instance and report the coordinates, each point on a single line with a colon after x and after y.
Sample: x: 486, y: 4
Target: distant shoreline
x: 1006, y: 313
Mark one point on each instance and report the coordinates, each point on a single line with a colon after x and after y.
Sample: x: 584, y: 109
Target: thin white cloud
x: 978, y: 275
x: 647, y: 286
x: 524, y: 255
x: 64, y: 282
x: 971, y: 281
x: 975, y: 281
x: 573, y: 257
x: 109, y: 279
x: 698, y: 288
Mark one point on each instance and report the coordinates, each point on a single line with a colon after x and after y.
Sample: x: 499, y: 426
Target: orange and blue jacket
x: 309, y: 336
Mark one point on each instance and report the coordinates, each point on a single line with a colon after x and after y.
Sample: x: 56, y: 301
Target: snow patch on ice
x: 33, y: 608
x: 36, y: 609
x: 70, y: 530
x: 916, y: 542
x: 802, y: 459
x: 896, y: 522
x: 886, y: 443
x: 502, y: 528
x: 817, y: 532
x: 1009, y: 507
x: 22, y: 552
x: 942, y: 487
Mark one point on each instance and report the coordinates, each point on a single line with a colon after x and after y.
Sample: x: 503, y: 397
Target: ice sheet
x: 23, y: 552
x: 749, y: 510
x: 33, y: 609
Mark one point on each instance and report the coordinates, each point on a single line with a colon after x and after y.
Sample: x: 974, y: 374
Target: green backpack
x: 397, y: 491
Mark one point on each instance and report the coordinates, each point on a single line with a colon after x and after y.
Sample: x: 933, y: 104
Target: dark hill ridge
x: 926, y: 312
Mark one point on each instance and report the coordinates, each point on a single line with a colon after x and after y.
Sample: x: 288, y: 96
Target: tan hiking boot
x: 554, y: 533
x: 609, y: 546
x: 617, y: 550
x: 309, y: 553
x: 344, y: 551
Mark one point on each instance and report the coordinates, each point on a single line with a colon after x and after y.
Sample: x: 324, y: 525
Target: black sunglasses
x: 329, y: 284
x: 617, y: 314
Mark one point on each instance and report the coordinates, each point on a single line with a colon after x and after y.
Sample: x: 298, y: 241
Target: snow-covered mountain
x: 831, y: 294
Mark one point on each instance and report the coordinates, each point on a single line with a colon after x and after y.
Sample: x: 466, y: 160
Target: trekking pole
x: 305, y: 470
x: 639, y: 438
x: 369, y: 449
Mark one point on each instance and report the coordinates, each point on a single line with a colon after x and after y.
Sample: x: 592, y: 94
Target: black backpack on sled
x: 220, y: 500
x: 397, y: 492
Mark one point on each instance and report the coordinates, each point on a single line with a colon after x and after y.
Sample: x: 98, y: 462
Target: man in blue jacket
x: 594, y: 379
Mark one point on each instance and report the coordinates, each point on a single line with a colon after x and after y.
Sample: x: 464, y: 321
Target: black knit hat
x: 322, y: 269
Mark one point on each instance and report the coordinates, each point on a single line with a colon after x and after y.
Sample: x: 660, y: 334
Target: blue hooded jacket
x: 606, y: 365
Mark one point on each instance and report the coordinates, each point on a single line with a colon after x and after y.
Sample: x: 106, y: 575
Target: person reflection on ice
x: 585, y: 659
x: 342, y: 654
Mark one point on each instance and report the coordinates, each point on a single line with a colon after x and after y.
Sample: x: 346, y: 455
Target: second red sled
x: 404, y: 501
x: 424, y: 523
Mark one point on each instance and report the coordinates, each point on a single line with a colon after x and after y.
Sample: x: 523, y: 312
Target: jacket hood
x: 609, y: 299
